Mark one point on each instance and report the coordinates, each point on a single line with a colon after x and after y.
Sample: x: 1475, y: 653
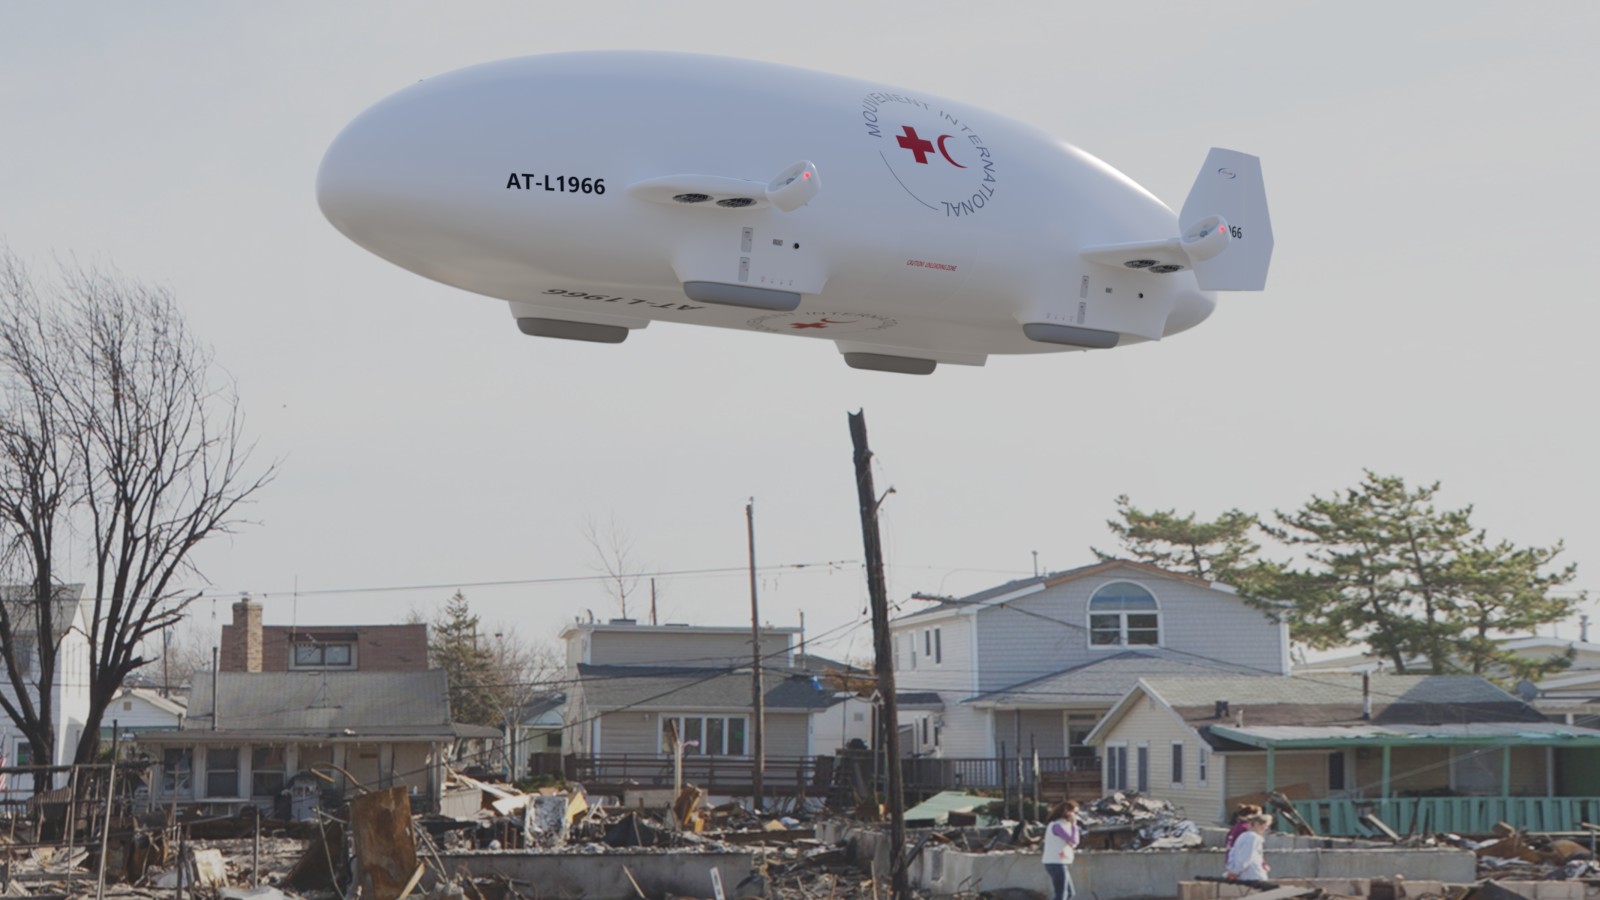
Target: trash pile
x: 1132, y: 821
x: 1514, y: 854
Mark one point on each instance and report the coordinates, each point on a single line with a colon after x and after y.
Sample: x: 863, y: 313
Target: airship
x: 598, y: 192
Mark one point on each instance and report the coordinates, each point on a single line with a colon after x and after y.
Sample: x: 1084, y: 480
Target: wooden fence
x: 859, y: 772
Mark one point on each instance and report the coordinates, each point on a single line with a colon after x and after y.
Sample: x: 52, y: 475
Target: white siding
x: 834, y: 727
x: 1047, y: 631
x: 966, y: 731
x: 948, y: 669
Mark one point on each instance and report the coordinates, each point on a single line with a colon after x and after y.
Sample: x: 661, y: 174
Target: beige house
x: 1434, y: 752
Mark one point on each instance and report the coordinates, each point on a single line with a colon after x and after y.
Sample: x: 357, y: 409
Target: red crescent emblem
x: 946, y: 153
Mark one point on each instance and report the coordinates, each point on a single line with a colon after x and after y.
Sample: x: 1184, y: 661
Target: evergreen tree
x: 478, y: 696
x: 1219, y: 550
x: 1412, y: 581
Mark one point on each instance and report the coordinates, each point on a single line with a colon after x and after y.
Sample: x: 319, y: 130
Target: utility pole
x: 755, y: 663
x: 883, y: 658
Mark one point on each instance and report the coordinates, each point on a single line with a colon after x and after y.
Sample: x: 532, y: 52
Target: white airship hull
x: 605, y: 190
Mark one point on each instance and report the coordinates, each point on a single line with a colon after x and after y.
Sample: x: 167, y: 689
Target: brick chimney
x: 246, y: 649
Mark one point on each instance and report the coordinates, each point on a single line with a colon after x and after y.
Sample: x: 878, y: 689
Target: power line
x: 211, y: 593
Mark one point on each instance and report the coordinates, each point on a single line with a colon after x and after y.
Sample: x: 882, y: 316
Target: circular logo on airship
x: 939, y: 159
x: 821, y: 324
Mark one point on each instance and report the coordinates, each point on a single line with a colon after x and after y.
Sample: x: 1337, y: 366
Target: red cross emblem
x: 821, y: 323
x: 915, y: 144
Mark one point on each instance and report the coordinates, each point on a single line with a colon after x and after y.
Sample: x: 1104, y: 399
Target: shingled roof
x: 1336, y: 698
x: 287, y: 705
x: 1102, y: 682
x: 672, y: 687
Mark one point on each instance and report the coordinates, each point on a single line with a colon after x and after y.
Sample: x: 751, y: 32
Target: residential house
x: 137, y: 709
x: 1570, y: 694
x: 535, y: 734
x: 250, y: 646
x: 1425, y: 752
x: 1030, y: 666
x: 69, y: 694
x: 249, y: 733
x: 635, y: 687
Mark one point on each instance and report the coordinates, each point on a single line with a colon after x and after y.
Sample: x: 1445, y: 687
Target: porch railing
x: 1461, y: 815
x: 717, y: 774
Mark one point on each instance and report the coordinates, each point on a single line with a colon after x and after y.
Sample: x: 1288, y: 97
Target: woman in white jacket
x: 1247, y: 860
x: 1061, y: 838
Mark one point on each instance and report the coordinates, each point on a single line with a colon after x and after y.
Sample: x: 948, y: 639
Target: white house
x: 70, y: 692
x: 1031, y: 665
x: 136, y: 709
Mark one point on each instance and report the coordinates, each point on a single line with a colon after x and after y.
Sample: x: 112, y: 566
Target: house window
x: 1078, y: 727
x: 1203, y: 763
x: 938, y: 647
x: 896, y: 644
x: 1123, y: 614
x: 711, y: 735
x: 1177, y: 764
x: 1336, y: 770
x: 924, y: 732
x: 1117, y: 767
x: 23, y: 753
x: 1142, y: 784
x: 266, y: 771
x: 315, y: 654
x: 176, y: 765
x: 222, y: 771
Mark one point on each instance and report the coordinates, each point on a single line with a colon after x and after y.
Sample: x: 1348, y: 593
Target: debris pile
x: 1132, y: 821
x: 1514, y: 854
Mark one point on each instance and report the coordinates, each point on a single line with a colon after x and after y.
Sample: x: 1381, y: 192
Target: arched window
x: 1123, y: 614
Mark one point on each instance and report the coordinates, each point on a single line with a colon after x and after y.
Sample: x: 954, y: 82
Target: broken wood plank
x: 1372, y: 821
x: 1291, y: 815
x: 386, y: 851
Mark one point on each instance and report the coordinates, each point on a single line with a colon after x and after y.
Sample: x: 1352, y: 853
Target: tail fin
x: 1230, y: 186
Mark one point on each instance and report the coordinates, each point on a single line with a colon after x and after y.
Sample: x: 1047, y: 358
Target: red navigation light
x: 806, y: 176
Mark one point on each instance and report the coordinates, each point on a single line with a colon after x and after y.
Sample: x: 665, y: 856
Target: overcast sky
x: 1431, y: 173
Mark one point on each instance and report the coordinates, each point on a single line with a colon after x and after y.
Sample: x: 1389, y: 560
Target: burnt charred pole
x: 756, y: 747
x: 882, y: 657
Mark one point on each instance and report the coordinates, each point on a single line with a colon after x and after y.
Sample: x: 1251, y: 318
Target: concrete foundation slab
x: 1127, y: 874
x: 600, y: 876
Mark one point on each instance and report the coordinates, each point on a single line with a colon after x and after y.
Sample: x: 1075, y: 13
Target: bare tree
x: 37, y: 489
x: 119, y: 436
x: 614, y: 558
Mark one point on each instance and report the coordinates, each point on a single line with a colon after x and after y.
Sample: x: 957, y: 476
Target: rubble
x: 377, y: 848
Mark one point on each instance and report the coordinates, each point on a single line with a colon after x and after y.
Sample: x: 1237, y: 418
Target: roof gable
x: 1024, y: 586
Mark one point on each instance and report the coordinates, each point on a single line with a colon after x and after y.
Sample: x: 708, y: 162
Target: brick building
x: 250, y: 646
